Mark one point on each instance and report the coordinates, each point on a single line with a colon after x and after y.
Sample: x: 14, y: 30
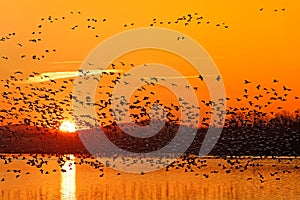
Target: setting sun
x: 67, y: 126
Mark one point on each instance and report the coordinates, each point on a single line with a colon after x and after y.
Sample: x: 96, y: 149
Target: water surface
x: 211, y: 178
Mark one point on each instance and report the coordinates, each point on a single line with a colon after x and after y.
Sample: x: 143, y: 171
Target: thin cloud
x: 68, y: 62
x: 181, y: 77
x: 48, y: 76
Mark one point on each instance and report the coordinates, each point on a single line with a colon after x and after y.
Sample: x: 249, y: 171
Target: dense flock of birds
x: 47, y: 103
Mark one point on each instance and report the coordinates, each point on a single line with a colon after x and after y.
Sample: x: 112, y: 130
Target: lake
x: 41, y: 177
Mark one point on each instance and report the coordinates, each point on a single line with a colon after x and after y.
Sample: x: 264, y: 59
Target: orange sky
x: 257, y: 45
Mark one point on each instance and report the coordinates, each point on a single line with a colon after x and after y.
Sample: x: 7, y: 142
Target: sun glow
x: 67, y: 126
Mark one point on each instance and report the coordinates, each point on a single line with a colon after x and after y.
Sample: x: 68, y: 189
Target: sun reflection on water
x: 68, y: 179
